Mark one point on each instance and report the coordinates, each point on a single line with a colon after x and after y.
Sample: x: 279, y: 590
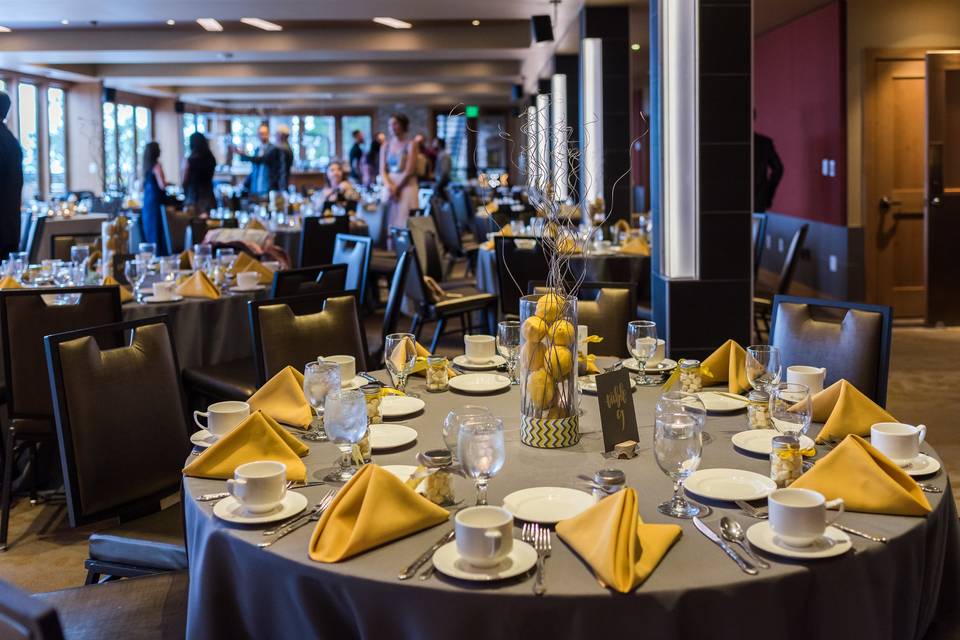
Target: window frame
x: 135, y: 102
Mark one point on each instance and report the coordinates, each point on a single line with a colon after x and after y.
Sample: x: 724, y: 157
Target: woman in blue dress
x: 151, y: 220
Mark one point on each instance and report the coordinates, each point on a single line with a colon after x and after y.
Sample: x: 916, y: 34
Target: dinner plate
x: 202, y: 438
x: 547, y: 505
x: 239, y: 289
x: 832, y: 543
x: 922, y: 465
x: 521, y: 559
x: 494, y: 362
x: 664, y: 365
x: 398, y: 406
x: 588, y: 383
x: 153, y: 299
x: 479, y: 382
x: 354, y: 383
x: 760, y: 441
x: 721, y: 403
x: 390, y: 436
x: 729, y: 484
x: 231, y: 510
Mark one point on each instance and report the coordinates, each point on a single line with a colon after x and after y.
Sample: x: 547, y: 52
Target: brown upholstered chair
x: 605, y: 308
x: 295, y: 330
x: 26, y: 316
x: 294, y: 282
x: 123, y: 435
x: 851, y: 340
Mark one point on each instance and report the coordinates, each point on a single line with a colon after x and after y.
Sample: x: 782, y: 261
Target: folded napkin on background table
x: 621, y: 549
x: 844, y: 409
x: 622, y: 225
x: 635, y: 246
x: 375, y: 507
x: 126, y: 295
x: 866, y: 479
x: 244, y: 262
x: 401, y: 353
x: 282, y: 399
x: 726, y: 364
x: 9, y: 282
x: 255, y: 224
x: 259, y: 437
x: 186, y: 260
x: 198, y: 285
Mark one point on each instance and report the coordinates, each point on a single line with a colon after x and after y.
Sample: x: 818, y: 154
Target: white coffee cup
x: 164, y: 290
x: 480, y: 349
x: 810, y: 376
x: 799, y: 516
x: 899, y: 442
x: 484, y: 535
x: 660, y: 353
x: 347, y: 364
x: 248, y: 279
x: 222, y: 417
x: 259, y: 486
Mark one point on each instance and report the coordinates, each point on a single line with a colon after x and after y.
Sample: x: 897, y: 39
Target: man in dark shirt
x: 286, y: 159
x: 356, y: 156
x: 272, y: 163
x: 767, y: 171
x: 11, y: 183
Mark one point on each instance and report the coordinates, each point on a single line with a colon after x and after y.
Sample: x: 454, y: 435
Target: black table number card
x: 617, y: 416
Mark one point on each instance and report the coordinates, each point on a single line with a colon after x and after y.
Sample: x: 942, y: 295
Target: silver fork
x: 539, y: 537
x: 760, y: 513
x: 290, y: 528
x: 325, y: 498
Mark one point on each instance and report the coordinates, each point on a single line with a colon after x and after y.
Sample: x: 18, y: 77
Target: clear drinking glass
x: 791, y: 408
x: 319, y: 380
x: 79, y: 253
x: 456, y: 417
x: 481, y: 450
x: 678, y: 446
x: 169, y: 267
x: 508, y: 346
x: 226, y: 257
x: 642, y: 344
x: 146, y: 251
x: 763, y: 366
x: 203, y: 258
x: 136, y: 272
x: 345, y: 420
x: 400, y: 354
x: 19, y: 263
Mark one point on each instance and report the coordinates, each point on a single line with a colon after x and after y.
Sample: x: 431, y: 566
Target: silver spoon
x: 733, y: 532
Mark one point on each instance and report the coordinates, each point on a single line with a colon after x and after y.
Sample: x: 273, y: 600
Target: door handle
x: 886, y: 203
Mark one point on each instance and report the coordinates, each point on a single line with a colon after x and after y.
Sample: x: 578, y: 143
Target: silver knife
x: 411, y: 571
x: 745, y: 566
x: 857, y: 532
x: 207, y: 497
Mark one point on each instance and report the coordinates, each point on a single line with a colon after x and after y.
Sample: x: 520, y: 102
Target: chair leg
x: 441, y: 323
x: 92, y: 577
x: 415, y: 326
x: 34, y: 473
x: 7, y: 489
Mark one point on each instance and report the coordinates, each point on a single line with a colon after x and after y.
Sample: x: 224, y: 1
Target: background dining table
x: 876, y: 591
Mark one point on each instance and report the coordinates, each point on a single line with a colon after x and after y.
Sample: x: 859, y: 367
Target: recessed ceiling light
x: 64, y: 22
x: 261, y: 24
x: 635, y: 46
x: 393, y: 22
x: 5, y: 29
x: 171, y: 22
x: 210, y: 24
x: 475, y: 23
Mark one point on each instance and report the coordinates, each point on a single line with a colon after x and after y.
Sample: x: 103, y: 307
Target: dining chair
x: 850, y: 339
x: 354, y: 251
x: 517, y: 266
x: 297, y: 329
x: 122, y: 428
x: 759, y: 229
x: 35, y: 238
x: 391, y: 315
x: 605, y: 308
x: 451, y: 239
x: 318, y: 237
x: 763, y: 306
x: 198, y: 227
x: 175, y: 225
x: 26, y: 316
x: 324, y: 277
x: 462, y: 210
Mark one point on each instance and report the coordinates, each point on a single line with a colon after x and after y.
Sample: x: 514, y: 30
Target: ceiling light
x: 261, y: 24
x: 475, y: 23
x: 635, y: 46
x: 393, y: 22
x: 64, y: 22
x: 5, y: 29
x: 171, y: 22
x: 210, y: 24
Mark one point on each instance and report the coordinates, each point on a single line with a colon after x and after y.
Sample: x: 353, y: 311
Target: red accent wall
x: 800, y: 100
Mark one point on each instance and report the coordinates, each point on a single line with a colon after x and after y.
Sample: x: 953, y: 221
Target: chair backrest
x: 120, y: 417
x: 319, y: 279
x: 516, y: 268
x: 23, y: 617
x: 318, y: 237
x: 759, y: 228
x: 175, y: 224
x: 391, y: 314
x: 26, y: 316
x: 605, y: 308
x: 295, y: 330
x: 423, y: 232
x: 354, y: 251
x: 851, y: 340
x: 790, y: 260
x: 460, y: 200
x: 446, y: 224
x: 37, y: 225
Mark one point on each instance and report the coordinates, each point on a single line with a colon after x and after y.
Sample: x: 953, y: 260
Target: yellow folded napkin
x: 488, y: 245
x: 844, y: 409
x: 622, y: 225
x: 588, y: 359
x: 491, y: 207
x: 255, y: 224
x: 506, y: 231
x: 635, y: 246
x: 258, y: 437
x: 401, y: 354
x: 245, y: 262
x: 866, y: 479
x: 198, y: 285
x: 186, y: 260
x: 726, y: 364
x: 621, y: 549
x: 9, y: 282
x: 126, y: 295
x: 373, y: 508
x: 282, y: 399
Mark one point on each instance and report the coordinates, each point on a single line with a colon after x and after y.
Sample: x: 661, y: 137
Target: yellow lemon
x: 534, y: 329
x: 549, y: 307
x: 532, y: 356
x: 540, y: 389
x: 562, y: 332
x: 559, y: 362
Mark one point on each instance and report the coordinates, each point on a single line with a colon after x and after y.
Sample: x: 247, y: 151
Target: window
x: 192, y: 123
x: 126, y: 131
x: 29, y: 139
x: 57, y: 141
x: 243, y: 134
x: 349, y: 124
x: 319, y: 141
x: 111, y: 176
x: 453, y: 130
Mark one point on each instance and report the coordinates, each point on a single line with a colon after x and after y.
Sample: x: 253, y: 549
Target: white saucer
x: 547, y: 505
x: 479, y: 382
x: 202, y: 438
x: 493, y: 363
x: 588, y: 383
x: 390, y: 436
x: 729, y: 484
x: 521, y: 559
x: 832, y: 543
x: 354, y: 383
x: 398, y: 406
x: 760, y: 441
x: 720, y: 403
x: 664, y: 365
x: 239, y: 289
x: 231, y: 510
x: 922, y: 465
x: 403, y: 472
x: 153, y: 299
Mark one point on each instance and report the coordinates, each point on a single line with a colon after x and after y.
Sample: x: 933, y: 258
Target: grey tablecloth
x: 878, y: 591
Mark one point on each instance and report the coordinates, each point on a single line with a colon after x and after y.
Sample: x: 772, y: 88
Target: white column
x: 591, y: 115
x: 543, y: 141
x: 531, y: 127
x: 558, y: 94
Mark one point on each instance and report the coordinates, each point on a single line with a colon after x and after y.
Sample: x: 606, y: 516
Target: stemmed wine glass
x: 763, y: 366
x: 791, y: 408
x: 136, y: 272
x: 319, y: 380
x: 508, y: 345
x: 456, y: 417
x: 345, y: 420
x: 642, y: 345
x: 678, y: 445
x: 400, y: 354
x: 481, y: 450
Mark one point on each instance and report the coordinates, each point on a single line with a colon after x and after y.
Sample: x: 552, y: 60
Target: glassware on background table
x: 146, y: 251
x: 763, y: 366
x: 791, y: 408
x: 319, y: 380
x: 136, y: 272
x: 678, y: 446
x: 642, y: 345
x: 18, y: 263
x: 508, y: 346
x: 226, y: 256
x: 400, y: 368
x: 345, y: 421
x: 203, y: 258
x: 451, y: 424
x: 79, y: 254
x: 481, y: 450
x: 169, y: 267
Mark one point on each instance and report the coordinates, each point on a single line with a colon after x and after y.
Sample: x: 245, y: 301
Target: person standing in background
x: 258, y: 182
x: 356, y: 156
x: 198, y: 170
x: 11, y: 183
x: 443, y: 165
x: 285, y: 160
x: 767, y: 172
x: 398, y: 169
x: 151, y: 216
x: 371, y: 164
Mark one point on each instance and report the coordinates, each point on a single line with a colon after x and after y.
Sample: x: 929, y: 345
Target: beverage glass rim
x: 789, y: 387
x: 508, y: 323
x: 321, y: 366
x: 347, y: 394
x: 763, y: 348
x: 398, y: 336
x: 480, y: 424
x: 642, y: 323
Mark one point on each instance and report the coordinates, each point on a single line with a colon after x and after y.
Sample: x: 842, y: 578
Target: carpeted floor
x: 46, y: 554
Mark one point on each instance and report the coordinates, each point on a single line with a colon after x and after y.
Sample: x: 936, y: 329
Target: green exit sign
x: 473, y: 111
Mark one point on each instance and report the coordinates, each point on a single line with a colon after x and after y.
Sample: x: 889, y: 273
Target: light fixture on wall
x: 210, y: 24
x: 393, y: 23
x: 558, y: 96
x: 259, y: 23
x: 532, y: 177
x: 5, y: 29
x: 543, y: 141
x: 64, y: 22
x: 171, y: 22
x: 475, y: 23
x: 591, y: 120
x: 635, y: 46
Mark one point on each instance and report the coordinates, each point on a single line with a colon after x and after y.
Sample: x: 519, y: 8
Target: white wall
x: 168, y: 132
x: 85, y: 137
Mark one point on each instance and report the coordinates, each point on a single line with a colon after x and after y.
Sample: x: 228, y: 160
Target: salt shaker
x: 786, y: 460
x: 607, y: 482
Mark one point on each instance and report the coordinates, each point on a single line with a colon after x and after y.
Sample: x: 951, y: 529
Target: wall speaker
x: 109, y: 94
x: 179, y: 107
x: 541, y: 28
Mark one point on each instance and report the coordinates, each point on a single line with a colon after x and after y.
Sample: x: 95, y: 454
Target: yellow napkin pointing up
x: 186, y: 260
x: 866, y: 479
x: 282, y: 399
x: 373, y: 508
x: 198, y: 286
x: 125, y: 294
x: 258, y: 437
x: 621, y: 549
x: 844, y: 409
x: 622, y: 225
x: 9, y: 282
x: 255, y: 224
x: 246, y: 263
x: 726, y: 364
x: 635, y: 246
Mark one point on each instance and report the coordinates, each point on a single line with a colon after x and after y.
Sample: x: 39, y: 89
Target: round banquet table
x: 876, y: 591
